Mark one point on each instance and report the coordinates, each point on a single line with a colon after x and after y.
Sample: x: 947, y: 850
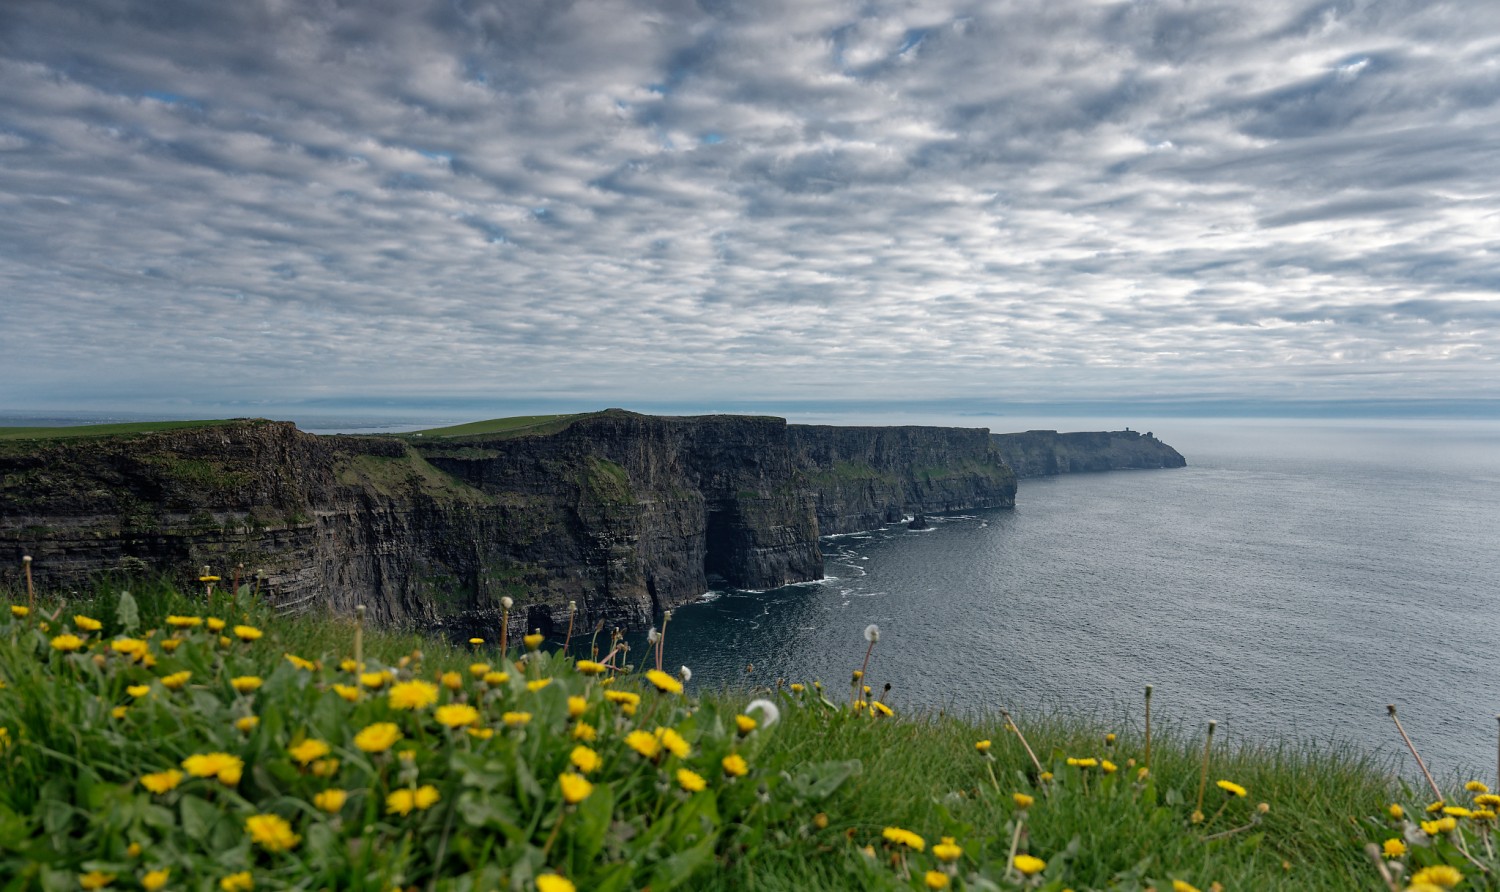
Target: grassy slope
x: 516, y: 426
x: 102, y: 430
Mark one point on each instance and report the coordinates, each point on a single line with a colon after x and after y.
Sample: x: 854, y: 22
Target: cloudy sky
x: 268, y: 203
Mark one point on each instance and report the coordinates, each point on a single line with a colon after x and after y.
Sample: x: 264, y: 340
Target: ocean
x: 1289, y: 583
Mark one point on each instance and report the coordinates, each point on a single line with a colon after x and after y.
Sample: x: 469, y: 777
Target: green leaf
x: 127, y: 613
x: 676, y: 870
x: 818, y: 781
x: 593, y: 821
x: 198, y: 817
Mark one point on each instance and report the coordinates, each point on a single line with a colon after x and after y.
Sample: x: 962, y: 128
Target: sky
x: 469, y: 207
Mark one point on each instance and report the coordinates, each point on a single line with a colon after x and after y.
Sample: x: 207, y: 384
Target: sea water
x: 1289, y: 583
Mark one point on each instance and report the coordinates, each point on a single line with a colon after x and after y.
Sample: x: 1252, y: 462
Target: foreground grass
x: 293, y: 796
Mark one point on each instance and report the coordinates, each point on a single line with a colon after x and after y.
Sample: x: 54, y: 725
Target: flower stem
x: 1203, y: 774
x: 1391, y: 708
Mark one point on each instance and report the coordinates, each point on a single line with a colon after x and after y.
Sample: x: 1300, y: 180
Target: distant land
x: 618, y: 513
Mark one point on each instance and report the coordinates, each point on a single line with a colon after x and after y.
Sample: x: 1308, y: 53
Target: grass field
x: 102, y: 430
x: 520, y: 424
x: 163, y: 739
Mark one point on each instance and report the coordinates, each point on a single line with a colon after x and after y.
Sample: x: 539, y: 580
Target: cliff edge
x: 1044, y: 453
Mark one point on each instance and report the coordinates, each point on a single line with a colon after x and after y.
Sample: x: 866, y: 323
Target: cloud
x: 617, y: 200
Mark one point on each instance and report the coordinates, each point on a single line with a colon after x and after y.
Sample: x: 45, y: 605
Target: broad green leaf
x: 198, y: 817
x: 677, y: 869
x: 816, y: 782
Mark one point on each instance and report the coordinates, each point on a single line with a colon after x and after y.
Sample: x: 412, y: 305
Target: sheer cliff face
x: 1044, y: 453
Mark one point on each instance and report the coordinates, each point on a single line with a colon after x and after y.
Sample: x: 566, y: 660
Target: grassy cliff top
x: 133, y: 428
x: 502, y: 427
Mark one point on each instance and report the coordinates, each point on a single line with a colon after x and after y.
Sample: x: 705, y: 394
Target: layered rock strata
x: 1044, y: 453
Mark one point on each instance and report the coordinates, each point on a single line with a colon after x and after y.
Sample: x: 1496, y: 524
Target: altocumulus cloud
x: 220, y: 202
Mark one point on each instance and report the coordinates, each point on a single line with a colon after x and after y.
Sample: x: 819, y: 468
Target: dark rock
x: 919, y: 523
x: 1044, y: 453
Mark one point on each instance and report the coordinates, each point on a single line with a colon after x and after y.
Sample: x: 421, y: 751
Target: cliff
x: 623, y: 514
x: 1044, y: 453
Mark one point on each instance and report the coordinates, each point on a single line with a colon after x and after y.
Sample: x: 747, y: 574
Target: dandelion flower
x: 536, y: 684
x: 798, y: 687
x: 331, y: 801
x: 1487, y: 800
x: 585, y: 759
x: 300, y: 663
x: 1394, y: 848
x: 162, y: 781
x: 577, y: 706
x: 348, y: 692
x: 585, y: 732
x: 170, y: 645
x: 1396, y: 811
x: 533, y: 641
x: 1231, y: 788
x: 378, y: 738
x: 215, y: 624
x: 589, y: 667
x: 880, y: 709
x: 690, y: 780
x: 245, y: 684
x: 456, y: 715
x: 575, y: 787
x: 480, y: 733
x: 95, y: 879
x: 119, y: 712
x: 515, y: 719
x: 1438, y: 875
x: 153, y: 880
x: 1029, y: 864
x: 223, y: 766
x: 624, y: 698
x: 184, y: 622
x: 872, y: 633
x: 309, y: 751
x: 19, y: 611
x: 452, y: 681
x: 674, y: 743
x: 664, y: 682
x: 403, y: 802
x: 325, y: 767
x: 947, y: 850
x: 903, y: 837
x: 644, y: 743
x: 935, y: 880
x: 734, y: 765
x: 67, y: 643
x: 246, y: 724
x: 496, y: 679
x: 478, y: 669
x: 744, y: 724
x: 982, y: 746
x: 176, y: 680
x: 551, y: 882
x: 1022, y: 800
x: 247, y: 633
x: 476, y: 641
x: 271, y: 832
x: 87, y: 623
x: 413, y: 695
x: 1183, y: 886
x: 237, y: 882
x: 138, y: 690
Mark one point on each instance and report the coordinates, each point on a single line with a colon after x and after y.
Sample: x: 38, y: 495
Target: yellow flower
x: 1457, y: 811
x: 19, y: 611
x: 533, y: 641
x: 246, y: 724
x: 347, y: 664
x: 947, y: 850
x: 1475, y: 786
x: 456, y: 715
x: 208, y: 579
x: 734, y: 765
x: 691, y: 781
x: 904, y: 838
x: 247, y: 633
x: 585, y: 732
x: 412, y: 695
x: 245, y: 684
x: 162, y: 781
x: 87, y: 623
x: 1231, y: 788
x: 481, y: 733
x: 1441, y: 825
x: 223, y: 766
x: 628, y: 700
x: 378, y: 738
x: 1438, y: 875
x: 1029, y: 864
x: 644, y: 743
x: 496, y: 679
x: 67, y: 643
x: 1083, y: 763
x: 515, y: 719
x: 452, y: 681
x: 551, y: 882
x: 176, y: 680
x: 224, y: 641
x: 536, y: 684
x: 982, y: 746
x: 348, y: 692
x: 133, y: 850
x: 1396, y: 811
x: 576, y: 707
x: 300, y: 663
x: 585, y: 759
x: 271, y: 832
x: 1107, y: 766
x: 402, y: 802
x: 1394, y: 848
x: 325, y: 767
x: 476, y: 641
x: 1487, y: 800
x: 95, y: 879
x: 478, y: 669
x: 237, y: 882
x: 1435, y: 807
x: 1023, y: 800
x: 308, y: 751
x: 119, y: 712
x: 674, y: 742
x: 664, y: 682
x: 589, y: 667
x: 935, y: 880
x: 1183, y: 886
x: 138, y: 690
x: 215, y: 624
x: 170, y: 645
x: 798, y: 688
x: 154, y: 880
x: 880, y: 709
x: 184, y: 622
x: 575, y: 787
x: 331, y: 801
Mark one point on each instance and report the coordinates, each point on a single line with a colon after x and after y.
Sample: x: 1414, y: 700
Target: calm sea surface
x: 1290, y: 582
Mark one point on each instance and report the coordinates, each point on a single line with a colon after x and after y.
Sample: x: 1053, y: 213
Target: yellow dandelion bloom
x: 325, y: 767
x: 744, y: 724
x: 87, y: 623
x: 585, y: 759
x: 478, y: 669
x: 589, y: 667
x: 674, y: 742
x: 412, y: 695
x: 1084, y: 763
x: 176, y: 680
x: 1107, y: 766
x: 947, y: 850
x: 536, y: 684
x: 575, y: 787
x: 664, y: 682
x: 378, y: 738
x: 237, y: 882
x: 1440, y: 826
x: 223, y: 766
x: 1396, y: 811
x: 1487, y: 800
x: 1231, y: 788
x: 496, y: 679
x: 247, y: 633
x: 1394, y: 848
x: 982, y: 746
x: 551, y: 882
x: 1183, y: 886
x: 481, y: 733
x: 1022, y: 800
x: 170, y: 645
x: 798, y: 687
x: 184, y: 622
x: 19, y: 611
x: 452, y: 681
x: 515, y: 719
x: 576, y: 707
x: 67, y: 643
x: 246, y: 724
x: 880, y: 709
x: 734, y: 765
x: 476, y: 641
x: 1475, y: 786
x: 935, y: 880
x: 402, y: 802
x: 347, y: 664
x: 162, y: 781
x: 1029, y: 864
x: 456, y: 715
x: 95, y: 879
x: 271, y: 832
x: 644, y: 743
x: 308, y: 751
x: 691, y: 781
x: 215, y: 624
x: 903, y: 837
x: 1438, y: 875
x: 154, y: 880
x: 119, y: 712
x: 1435, y: 807
x: 1457, y: 811
x: 585, y: 732
x: 533, y: 641
x: 627, y: 700
x: 301, y: 663
x: 138, y: 690
x: 245, y: 684
x: 331, y: 801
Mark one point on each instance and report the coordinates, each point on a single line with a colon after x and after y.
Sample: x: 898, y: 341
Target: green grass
x: 516, y: 426
x: 105, y: 430
x: 823, y: 784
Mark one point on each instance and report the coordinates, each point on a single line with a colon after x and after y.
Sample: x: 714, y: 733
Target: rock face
x: 622, y: 514
x: 1044, y: 453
